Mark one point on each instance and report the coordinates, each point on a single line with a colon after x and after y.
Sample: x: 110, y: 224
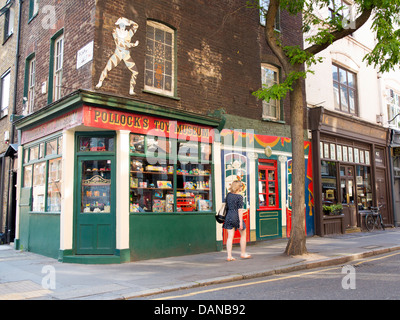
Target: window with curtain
x: 269, y: 77
x: 160, y: 59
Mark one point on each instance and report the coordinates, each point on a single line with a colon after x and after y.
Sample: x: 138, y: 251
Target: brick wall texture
x: 220, y: 47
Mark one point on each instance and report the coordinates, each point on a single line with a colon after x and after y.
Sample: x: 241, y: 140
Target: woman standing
x: 234, y: 220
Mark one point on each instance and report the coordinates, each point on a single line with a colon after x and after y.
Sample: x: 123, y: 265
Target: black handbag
x: 221, y: 214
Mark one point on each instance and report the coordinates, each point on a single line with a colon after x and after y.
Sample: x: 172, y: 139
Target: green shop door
x: 95, y: 206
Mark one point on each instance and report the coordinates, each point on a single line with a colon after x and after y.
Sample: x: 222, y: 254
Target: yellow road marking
x: 269, y: 280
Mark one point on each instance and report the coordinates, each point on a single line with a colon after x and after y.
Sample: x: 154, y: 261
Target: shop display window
x: 96, y: 144
x: 42, y: 172
x: 54, y: 185
x: 364, y: 187
x: 329, y: 182
x: 151, y: 186
x: 28, y: 176
x: 136, y: 144
x: 38, y: 187
x: 96, y: 186
x: 161, y: 183
x: 193, y: 187
x: 51, y: 147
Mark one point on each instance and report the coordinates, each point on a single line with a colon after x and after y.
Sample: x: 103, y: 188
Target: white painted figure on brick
x: 122, y: 38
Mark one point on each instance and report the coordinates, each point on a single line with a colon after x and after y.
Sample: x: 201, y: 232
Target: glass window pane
x: 329, y: 184
x: 168, y: 38
x: 344, y: 99
x: 271, y: 200
x: 38, y: 189
x: 54, y: 185
x: 149, y: 78
x: 335, y: 73
x: 150, y: 32
x: 96, y: 144
x: 188, y: 149
x: 342, y: 76
x: 60, y: 145
x: 351, y: 80
x: 194, y: 189
x: 158, y: 147
x: 26, y: 155
x: 352, y: 102
x: 34, y: 153
x: 27, y: 176
x: 336, y: 96
x: 96, y: 186
x: 205, y: 151
x: 136, y: 143
x: 51, y: 147
x: 364, y: 188
x: 159, y: 36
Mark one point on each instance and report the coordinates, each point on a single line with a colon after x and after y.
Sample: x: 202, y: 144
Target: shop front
x: 108, y: 183
x: 351, y: 157
x: 263, y: 164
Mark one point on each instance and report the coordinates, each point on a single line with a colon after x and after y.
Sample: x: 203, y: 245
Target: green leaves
x: 279, y: 91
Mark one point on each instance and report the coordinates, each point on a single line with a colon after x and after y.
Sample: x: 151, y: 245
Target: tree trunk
x: 297, y: 242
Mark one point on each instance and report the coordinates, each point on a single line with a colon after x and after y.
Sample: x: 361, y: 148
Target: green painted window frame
x: 9, y: 17
x: 32, y: 13
x: 173, y: 159
x: 27, y: 161
x: 28, y: 61
x: 53, y: 41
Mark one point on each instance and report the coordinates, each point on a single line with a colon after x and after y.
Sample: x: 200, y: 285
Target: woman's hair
x: 235, y: 186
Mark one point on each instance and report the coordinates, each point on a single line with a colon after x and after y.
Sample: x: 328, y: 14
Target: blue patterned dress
x: 234, y: 202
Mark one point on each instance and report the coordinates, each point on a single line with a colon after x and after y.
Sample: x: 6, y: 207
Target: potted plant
x: 333, y: 209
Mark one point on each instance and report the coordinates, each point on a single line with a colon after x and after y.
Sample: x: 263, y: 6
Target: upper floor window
x: 269, y: 77
x: 58, y: 67
x: 9, y: 21
x: 339, y: 8
x: 344, y: 89
x: 264, y: 4
x: 160, y: 59
x: 31, y: 84
x: 393, y: 105
x: 33, y: 8
x: 5, y: 82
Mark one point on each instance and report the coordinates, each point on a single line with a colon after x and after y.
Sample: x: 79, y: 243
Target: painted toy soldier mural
x: 122, y: 38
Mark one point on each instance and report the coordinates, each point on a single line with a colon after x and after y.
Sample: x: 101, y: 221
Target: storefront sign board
x: 145, y: 124
x: 66, y: 121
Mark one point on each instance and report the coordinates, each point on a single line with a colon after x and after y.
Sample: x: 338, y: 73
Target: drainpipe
x: 14, y: 111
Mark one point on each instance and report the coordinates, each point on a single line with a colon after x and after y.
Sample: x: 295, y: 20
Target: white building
x: 348, y: 116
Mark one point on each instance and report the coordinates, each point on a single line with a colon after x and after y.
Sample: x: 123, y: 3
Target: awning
x: 12, y: 150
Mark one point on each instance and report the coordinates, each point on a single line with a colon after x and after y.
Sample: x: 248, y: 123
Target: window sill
x: 273, y: 120
x: 45, y: 213
x: 33, y: 17
x: 7, y: 37
x: 161, y: 95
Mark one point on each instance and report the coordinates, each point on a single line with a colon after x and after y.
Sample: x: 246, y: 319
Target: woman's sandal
x: 247, y: 256
x: 230, y: 259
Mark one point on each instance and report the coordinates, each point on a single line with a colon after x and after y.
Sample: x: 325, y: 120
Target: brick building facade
x: 194, y: 64
x: 9, y: 12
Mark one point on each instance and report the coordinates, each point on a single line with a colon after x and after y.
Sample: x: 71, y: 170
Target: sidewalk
x: 21, y: 274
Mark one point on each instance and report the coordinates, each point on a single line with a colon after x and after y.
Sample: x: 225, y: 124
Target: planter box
x: 333, y: 224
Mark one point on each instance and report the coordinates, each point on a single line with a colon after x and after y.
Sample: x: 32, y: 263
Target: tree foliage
x: 296, y: 61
